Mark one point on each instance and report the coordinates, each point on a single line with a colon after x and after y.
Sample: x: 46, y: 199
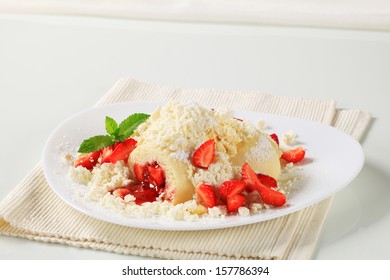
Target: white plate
x: 334, y: 159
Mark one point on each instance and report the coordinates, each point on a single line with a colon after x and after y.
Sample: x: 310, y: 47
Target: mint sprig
x: 116, y: 133
x: 111, y: 126
x: 127, y: 126
x: 96, y: 143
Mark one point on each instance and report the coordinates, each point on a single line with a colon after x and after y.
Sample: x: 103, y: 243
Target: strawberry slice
x: 275, y: 138
x: 131, y: 142
x: 139, y: 172
x: 205, y: 154
x: 206, y: 195
x: 294, y: 156
x: 268, y: 195
x: 231, y: 187
x: 249, y: 177
x: 106, y: 152
x: 88, y: 161
x: 235, y: 201
x: 121, y: 151
x: 271, y: 196
x: 267, y: 181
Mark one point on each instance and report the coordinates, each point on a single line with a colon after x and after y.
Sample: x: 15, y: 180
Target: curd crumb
x: 129, y: 198
x: 67, y: 158
x: 261, y: 124
x: 217, y: 212
x: 243, y: 211
x: 256, y: 207
x: 289, y: 137
x: 80, y: 174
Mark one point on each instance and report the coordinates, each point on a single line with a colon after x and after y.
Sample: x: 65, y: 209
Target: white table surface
x: 52, y: 67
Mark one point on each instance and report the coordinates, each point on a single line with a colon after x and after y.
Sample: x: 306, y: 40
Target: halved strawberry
x: 275, y: 138
x: 235, y: 201
x: 231, y: 187
x: 122, y: 151
x: 156, y: 175
x: 206, y: 195
x: 205, y: 154
x: 131, y: 142
x: 139, y: 172
x: 119, y: 153
x: 121, y: 192
x: 267, y: 181
x: 294, y: 156
x: 268, y: 195
x: 88, y: 161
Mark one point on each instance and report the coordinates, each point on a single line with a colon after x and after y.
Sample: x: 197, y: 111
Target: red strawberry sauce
x: 150, y: 185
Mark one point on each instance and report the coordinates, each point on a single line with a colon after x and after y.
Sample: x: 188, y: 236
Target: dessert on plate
x: 185, y: 161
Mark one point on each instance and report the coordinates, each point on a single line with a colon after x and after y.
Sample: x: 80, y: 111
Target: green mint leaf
x: 111, y: 126
x: 127, y: 126
x: 96, y: 143
x: 117, y: 133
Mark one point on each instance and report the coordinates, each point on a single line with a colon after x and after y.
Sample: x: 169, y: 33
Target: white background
x: 53, y: 67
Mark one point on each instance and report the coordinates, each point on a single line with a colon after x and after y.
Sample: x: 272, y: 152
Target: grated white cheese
x: 110, y: 176
x: 183, y: 211
x: 102, y: 179
x: 177, y: 128
x: 217, y: 173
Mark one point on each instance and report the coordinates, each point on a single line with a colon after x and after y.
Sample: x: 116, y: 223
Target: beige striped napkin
x: 33, y: 211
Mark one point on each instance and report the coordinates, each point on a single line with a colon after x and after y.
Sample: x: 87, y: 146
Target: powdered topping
x: 261, y: 151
